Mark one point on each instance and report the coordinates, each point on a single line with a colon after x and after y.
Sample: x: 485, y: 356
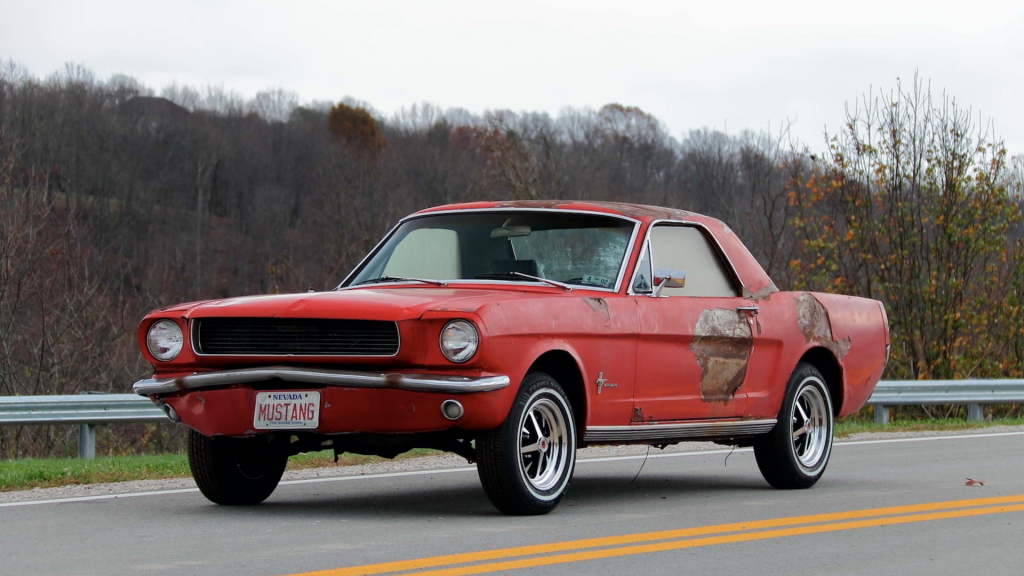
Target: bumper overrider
x: 322, y: 377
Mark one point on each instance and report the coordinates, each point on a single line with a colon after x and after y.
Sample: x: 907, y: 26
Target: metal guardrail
x: 89, y: 410
x: 86, y: 410
x: 973, y: 393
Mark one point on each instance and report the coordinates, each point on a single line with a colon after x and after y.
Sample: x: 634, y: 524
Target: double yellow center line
x: 643, y: 543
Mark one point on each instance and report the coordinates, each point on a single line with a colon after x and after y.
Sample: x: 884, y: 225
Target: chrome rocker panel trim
x: 321, y: 377
x: 684, y: 431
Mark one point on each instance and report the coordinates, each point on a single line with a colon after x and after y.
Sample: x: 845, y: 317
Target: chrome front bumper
x: 319, y: 377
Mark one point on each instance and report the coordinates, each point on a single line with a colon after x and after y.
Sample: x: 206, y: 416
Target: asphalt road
x: 684, y: 514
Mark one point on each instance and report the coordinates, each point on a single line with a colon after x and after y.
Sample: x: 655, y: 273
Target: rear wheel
x: 794, y: 454
x: 526, y: 463
x: 235, y: 471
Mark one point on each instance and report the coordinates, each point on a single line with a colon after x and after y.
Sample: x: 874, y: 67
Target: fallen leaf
x: 973, y: 482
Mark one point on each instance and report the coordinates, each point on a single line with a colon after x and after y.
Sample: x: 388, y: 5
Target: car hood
x: 364, y: 303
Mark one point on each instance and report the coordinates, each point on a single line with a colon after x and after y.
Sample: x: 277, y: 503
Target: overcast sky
x: 718, y: 64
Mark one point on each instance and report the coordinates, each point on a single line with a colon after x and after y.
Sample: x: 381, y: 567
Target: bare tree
x: 274, y: 105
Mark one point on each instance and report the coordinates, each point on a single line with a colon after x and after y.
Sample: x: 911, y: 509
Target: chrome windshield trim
x: 618, y: 280
x: 321, y: 377
x: 629, y: 254
x: 476, y: 282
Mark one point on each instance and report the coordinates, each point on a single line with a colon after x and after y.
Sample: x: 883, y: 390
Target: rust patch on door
x: 722, y: 343
x: 813, y: 321
x: 638, y: 414
x: 598, y: 305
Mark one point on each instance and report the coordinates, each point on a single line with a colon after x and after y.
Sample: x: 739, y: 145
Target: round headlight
x: 164, y: 340
x: 459, y: 341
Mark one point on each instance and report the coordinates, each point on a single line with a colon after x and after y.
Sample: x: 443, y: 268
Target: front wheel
x: 526, y: 463
x: 235, y: 471
x: 794, y: 454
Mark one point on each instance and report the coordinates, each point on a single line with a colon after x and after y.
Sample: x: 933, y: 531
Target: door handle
x: 752, y: 309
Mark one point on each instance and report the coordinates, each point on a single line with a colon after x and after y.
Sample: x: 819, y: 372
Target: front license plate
x: 291, y: 410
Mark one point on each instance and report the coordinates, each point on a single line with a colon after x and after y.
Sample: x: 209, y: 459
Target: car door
x: 696, y: 340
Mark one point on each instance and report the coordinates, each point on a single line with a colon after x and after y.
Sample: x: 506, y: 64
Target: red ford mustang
x: 512, y: 333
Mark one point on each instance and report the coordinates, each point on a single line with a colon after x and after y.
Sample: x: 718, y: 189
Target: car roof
x: 635, y: 211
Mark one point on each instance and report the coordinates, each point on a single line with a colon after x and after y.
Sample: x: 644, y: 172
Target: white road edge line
x: 473, y: 468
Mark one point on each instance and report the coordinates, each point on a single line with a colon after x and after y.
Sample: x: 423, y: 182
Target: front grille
x: 294, y: 337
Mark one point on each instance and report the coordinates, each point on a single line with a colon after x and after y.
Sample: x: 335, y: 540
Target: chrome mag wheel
x: 810, y: 419
x: 544, y: 444
x: 525, y: 464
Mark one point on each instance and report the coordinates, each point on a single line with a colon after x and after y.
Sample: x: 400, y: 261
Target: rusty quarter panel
x: 791, y: 323
x: 859, y: 333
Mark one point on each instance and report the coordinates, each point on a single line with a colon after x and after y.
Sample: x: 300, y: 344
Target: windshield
x: 581, y: 249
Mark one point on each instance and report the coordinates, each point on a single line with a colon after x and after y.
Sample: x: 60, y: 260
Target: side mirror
x: 668, y: 278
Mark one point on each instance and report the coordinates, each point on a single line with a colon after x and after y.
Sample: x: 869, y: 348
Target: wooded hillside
x: 115, y: 201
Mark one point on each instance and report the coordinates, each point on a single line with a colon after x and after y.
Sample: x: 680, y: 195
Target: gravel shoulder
x: 445, y: 461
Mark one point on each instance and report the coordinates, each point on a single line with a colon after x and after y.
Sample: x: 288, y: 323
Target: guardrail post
x: 974, y: 413
x: 87, y: 441
x: 881, y: 414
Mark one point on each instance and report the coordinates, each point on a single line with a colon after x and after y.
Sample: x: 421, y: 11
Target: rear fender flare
x: 832, y: 369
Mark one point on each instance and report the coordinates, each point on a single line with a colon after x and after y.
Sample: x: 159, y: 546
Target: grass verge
x: 28, y: 473
x: 847, y: 427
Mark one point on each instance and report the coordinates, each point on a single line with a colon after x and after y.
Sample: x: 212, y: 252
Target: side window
x: 686, y: 248
x: 642, y: 284
x: 426, y: 253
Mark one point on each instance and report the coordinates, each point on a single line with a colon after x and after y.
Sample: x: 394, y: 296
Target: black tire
x: 526, y: 463
x: 235, y: 471
x: 795, y: 453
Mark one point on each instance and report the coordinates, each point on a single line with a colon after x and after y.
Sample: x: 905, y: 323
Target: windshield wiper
x: 402, y: 279
x: 507, y: 275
